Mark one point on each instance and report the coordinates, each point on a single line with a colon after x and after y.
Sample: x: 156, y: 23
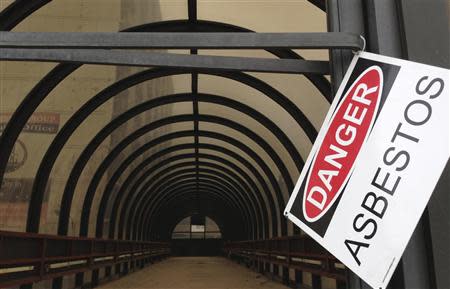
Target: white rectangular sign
x: 378, y: 157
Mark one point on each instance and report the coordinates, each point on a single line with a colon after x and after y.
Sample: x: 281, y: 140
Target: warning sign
x: 375, y: 163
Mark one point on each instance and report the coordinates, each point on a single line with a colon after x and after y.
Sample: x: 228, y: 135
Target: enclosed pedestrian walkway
x: 195, y: 273
x: 155, y: 144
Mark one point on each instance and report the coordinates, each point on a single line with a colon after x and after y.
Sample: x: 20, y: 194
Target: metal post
x: 345, y: 15
x: 426, y: 39
x: 286, y: 278
x: 348, y: 16
x: 316, y: 281
x: 299, y: 278
x: 383, y: 37
x: 386, y: 21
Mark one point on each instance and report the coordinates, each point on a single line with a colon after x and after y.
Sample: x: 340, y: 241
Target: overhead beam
x: 192, y: 16
x: 180, y: 40
x: 41, y: 90
x: 155, y: 59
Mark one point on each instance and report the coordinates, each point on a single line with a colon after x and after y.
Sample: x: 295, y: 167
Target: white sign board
x: 378, y: 156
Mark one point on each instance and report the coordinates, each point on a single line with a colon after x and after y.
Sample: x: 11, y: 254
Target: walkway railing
x: 295, y: 252
x: 27, y: 258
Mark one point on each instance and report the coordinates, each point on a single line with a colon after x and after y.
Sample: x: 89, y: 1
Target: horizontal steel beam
x: 177, y: 40
x: 156, y: 59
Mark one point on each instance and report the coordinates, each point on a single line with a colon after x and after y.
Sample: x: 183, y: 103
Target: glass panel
x: 211, y: 225
x: 197, y: 228
x: 198, y: 235
x: 181, y: 235
x: 183, y: 225
x: 185, y: 230
x: 213, y: 235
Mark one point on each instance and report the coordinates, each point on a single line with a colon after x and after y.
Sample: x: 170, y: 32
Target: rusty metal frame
x: 294, y: 252
x: 28, y: 258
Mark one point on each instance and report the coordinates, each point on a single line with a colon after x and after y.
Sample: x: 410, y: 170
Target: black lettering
x: 414, y: 103
x: 382, y: 186
x: 372, y: 207
x: 355, y: 252
x: 422, y: 92
x: 390, y: 161
x: 361, y: 228
x: 404, y: 135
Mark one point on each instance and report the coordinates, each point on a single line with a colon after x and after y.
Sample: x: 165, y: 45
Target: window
x: 187, y: 230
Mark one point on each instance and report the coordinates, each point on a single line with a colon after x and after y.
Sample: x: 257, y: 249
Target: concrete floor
x: 194, y: 273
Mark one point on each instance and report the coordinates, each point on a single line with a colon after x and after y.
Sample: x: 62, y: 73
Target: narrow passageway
x: 194, y: 273
x: 157, y: 144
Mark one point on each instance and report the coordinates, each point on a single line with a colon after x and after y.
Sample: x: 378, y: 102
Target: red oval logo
x: 348, y: 130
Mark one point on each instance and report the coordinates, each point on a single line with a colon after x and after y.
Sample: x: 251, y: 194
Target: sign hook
x: 364, y: 45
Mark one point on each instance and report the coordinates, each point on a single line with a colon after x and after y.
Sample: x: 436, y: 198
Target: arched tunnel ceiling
x: 173, y: 153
